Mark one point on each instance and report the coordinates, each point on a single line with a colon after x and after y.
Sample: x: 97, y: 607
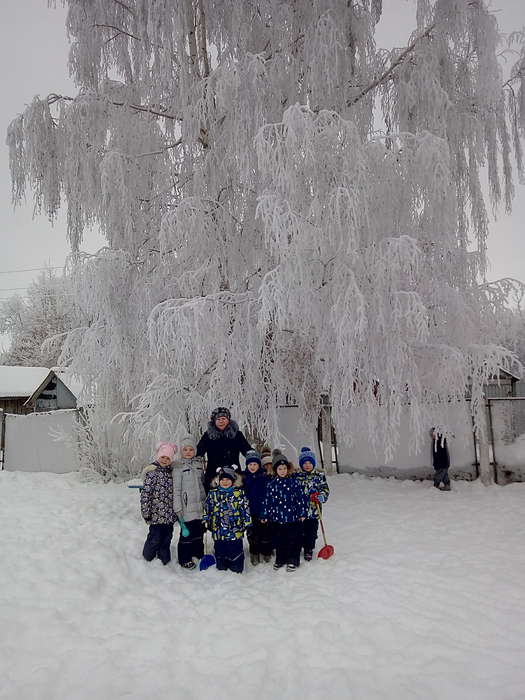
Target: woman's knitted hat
x: 220, y: 411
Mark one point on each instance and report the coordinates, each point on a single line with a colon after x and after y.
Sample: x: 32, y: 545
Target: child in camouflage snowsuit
x: 317, y: 491
x: 156, y: 504
x: 227, y: 515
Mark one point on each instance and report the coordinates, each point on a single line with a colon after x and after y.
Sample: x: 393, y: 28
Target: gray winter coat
x: 188, y: 488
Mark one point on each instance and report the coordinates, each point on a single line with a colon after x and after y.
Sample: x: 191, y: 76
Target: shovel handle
x: 321, y: 521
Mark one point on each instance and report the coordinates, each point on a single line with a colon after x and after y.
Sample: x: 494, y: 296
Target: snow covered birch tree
x: 265, y: 237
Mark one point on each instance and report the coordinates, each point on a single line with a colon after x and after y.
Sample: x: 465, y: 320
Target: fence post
x: 326, y: 435
x: 2, y: 437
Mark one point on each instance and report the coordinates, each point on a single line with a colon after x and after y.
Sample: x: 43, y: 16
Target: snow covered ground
x: 423, y: 599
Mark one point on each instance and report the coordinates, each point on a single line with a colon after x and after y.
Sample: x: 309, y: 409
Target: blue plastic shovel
x: 208, y: 559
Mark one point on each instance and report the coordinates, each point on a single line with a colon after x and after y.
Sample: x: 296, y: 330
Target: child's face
x: 282, y: 470
x: 164, y: 461
x: 188, y: 452
x: 225, y: 482
x: 252, y: 467
x: 307, y: 466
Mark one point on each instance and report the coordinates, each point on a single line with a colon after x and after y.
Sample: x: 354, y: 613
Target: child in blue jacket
x: 316, y: 490
x: 227, y: 515
x: 285, y: 507
x: 255, y: 482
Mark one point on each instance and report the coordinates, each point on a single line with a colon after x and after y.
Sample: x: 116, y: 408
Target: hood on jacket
x: 229, y: 432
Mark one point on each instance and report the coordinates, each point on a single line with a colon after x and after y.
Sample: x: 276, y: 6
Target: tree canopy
x: 265, y: 237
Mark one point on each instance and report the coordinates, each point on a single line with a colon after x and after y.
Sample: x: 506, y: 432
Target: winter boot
x: 445, y: 487
x: 276, y: 566
x: 291, y: 567
x: 188, y: 565
x: 308, y: 554
x: 254, y: 558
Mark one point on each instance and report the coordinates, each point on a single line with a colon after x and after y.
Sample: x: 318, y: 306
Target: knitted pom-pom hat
x: 306, y: 455
x: 253, y: 456
x: 188, y: 441
x: 166, y: 449
x: 278, y: 458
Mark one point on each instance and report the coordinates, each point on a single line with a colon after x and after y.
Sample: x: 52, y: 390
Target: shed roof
x: 70, y: 381
x: 20, y: 382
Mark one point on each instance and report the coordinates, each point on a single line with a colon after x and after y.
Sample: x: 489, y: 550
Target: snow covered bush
x: 264, y: 239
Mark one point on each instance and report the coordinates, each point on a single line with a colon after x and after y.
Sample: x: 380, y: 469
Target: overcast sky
x: 34, y: 52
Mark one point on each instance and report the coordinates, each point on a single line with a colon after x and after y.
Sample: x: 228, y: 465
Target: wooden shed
x: 27, y: 389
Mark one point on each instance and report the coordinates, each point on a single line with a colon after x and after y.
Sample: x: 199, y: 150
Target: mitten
x: 314, y: 497
x: 183, y: 529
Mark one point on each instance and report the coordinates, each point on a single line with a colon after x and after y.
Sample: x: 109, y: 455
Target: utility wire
x: 31, y: 269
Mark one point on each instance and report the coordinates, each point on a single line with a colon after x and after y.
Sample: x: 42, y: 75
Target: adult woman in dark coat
x: 222, y: 443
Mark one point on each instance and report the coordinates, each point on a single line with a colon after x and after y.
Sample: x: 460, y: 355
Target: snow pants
x: 260, y: 538
x: 229, y: 554
x: 287, y: 540
x: 192, y: 545
x: 441, y: 475
x: 158, y: 543
x: 309, y: 533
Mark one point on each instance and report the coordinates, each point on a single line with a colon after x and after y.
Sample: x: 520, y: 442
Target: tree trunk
x: 486, y: 473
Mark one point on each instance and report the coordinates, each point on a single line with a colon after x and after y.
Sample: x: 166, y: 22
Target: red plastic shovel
x: 327, y: 551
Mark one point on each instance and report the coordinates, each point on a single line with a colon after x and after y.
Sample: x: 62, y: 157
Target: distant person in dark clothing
x: 222, y: 443
x: 440, y: 460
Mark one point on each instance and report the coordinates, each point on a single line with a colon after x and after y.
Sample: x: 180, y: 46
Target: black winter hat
x: 220, y: 411
x: 227, y: 473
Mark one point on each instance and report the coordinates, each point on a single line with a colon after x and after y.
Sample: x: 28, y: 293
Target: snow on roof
x: 20, y: 381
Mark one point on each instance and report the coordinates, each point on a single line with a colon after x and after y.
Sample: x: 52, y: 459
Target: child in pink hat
x: 156, y: 503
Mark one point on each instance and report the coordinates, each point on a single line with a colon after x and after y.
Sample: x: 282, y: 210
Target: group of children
x: 275, y: 504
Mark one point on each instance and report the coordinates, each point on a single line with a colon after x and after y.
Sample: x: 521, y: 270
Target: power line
x: 31, y: 269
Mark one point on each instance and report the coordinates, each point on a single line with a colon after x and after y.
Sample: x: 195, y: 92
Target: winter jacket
x: 440, y: 455
x: 227, y: 513
x: 313, y: 482
x: 156, y: 497
x: 221, y: 447
x: 285, y: 501
x: 255, y: 490
x: 188, y: 488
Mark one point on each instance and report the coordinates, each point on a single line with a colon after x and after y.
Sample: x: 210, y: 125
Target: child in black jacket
x: 255, y: 482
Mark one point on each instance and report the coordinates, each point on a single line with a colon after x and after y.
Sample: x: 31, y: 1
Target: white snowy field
x: 424, y: 599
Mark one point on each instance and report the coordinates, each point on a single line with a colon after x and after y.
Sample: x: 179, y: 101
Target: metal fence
x: 507, y: 437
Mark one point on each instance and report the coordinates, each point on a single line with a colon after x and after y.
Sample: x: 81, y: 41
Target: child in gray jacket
x: 188, y: 501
